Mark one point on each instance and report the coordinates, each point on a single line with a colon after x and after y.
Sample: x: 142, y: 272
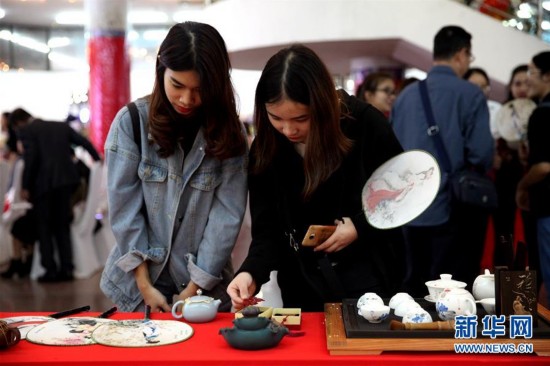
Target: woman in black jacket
x: 315, y: 148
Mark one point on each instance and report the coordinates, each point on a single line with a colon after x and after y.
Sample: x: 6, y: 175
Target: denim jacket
x: 214, y: 193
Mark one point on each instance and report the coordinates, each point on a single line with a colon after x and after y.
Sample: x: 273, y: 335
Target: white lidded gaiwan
x: 435, y: 287
x: 484, y: 286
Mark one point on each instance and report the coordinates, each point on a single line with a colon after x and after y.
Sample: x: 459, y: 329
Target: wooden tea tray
x: 358, y: 327
x: 339, y: 344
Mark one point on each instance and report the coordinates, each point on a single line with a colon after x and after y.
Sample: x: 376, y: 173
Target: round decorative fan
x: 66, y: 332
x: 142, y: 333
x: 27, y: 322
x: 401, y: 189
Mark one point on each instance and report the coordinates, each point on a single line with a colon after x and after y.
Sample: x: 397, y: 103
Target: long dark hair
x: 296, y: 73
x: 197, y: 47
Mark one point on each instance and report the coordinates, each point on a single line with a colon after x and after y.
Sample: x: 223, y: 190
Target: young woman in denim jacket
x: 176, y: 207
x: 313, y: 152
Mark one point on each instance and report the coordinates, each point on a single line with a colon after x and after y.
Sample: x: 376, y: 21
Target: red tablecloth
x: 207, y: 347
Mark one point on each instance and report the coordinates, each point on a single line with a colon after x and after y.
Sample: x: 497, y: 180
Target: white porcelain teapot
x: 455, y: 301
x: 197, y: 309
x: 484, y: 286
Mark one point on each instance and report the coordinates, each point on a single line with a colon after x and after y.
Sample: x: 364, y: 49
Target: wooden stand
x: 339, y: 344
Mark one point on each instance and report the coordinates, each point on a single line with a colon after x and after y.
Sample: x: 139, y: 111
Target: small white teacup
x: 369, y: 298
x: 488, y: 304
x: 375, y: 313
x: 399, y: 298
x: 405, y: 307
x: 417, y: 315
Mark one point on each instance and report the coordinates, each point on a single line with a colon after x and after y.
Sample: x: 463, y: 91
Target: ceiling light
x: 5, y: 34
x: 2, y: 13
x: 68, y: 61
x: 147, y: 17
x: 524, y: 6
x: 154, y: 35
x: 134, y: 17
x: 84, y: 115
x: 186, y: 15
x: 188, y: 12
x: 23, y: 41
x: 71, y: 17
x: 545, y: 25
x: 546, y: 5
x: 524, y: 11
x: 56, y: 42
x: 138, y: 52
x: 132, y: 35
x: 523, y: 14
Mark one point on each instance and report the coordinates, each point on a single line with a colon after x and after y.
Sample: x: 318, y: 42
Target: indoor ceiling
x: 337, y: 54
x: 43, y: 12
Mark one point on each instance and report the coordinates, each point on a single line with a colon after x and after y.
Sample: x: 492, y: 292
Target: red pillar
x: 109, y: 65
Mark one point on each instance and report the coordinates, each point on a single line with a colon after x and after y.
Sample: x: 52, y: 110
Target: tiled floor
x: 28, y: 295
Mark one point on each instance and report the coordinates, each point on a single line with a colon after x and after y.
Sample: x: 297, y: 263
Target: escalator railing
x: 532, y: 17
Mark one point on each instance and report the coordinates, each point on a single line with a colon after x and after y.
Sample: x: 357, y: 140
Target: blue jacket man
x: 461, y: 113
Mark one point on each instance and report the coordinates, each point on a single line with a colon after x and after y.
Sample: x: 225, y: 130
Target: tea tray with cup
x: 356, y: 326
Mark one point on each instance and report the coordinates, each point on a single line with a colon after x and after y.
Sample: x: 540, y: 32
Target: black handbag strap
x: 136, y: 127
x: 433, y: 129
x: 134, y: 115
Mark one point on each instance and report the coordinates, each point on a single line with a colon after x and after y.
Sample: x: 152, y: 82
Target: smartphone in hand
x: 317, y: 234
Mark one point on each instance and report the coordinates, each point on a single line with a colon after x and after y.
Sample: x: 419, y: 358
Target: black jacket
x: 278, y: 210
x: 538, y: 130
x: 48, y: 157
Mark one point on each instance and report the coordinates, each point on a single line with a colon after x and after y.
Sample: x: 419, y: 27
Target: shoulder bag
x: 468, y: 186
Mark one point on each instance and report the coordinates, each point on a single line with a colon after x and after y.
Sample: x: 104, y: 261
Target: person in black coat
x: 49, y: 179
x: 314, y: 151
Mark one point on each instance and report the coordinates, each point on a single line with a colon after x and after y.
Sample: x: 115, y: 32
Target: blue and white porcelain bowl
x: 369, y: 298
x: 399, y: 298
x: 375, y: 313
x: 417, y: 316
x: 405, y: 307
